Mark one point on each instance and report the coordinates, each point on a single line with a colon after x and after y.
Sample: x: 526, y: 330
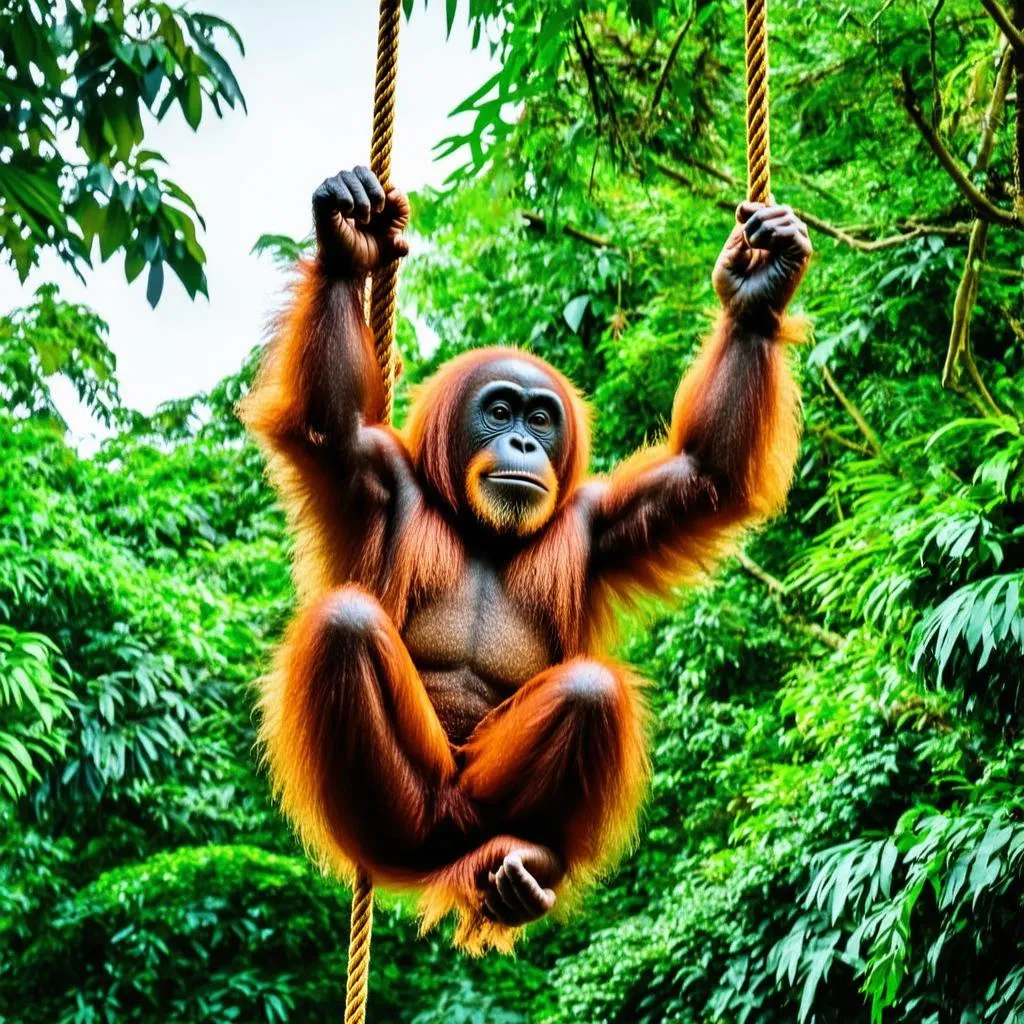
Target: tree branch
x: 831, y: 435
x: 1018, y: 127
x: 983, y: 206
x: 959, y: 351
x: 536, y: 221
x: 998, y: 14
x: 933, y: 63
x: 855, y: 414
x: 752, y: 568
x: 776, y: 586
x: 860, y: 244
x: 843, y: 235
x: 715, y: 172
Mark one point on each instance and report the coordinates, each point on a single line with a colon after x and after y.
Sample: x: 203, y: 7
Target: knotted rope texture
x: 758, y: 148
x: 383, y: 292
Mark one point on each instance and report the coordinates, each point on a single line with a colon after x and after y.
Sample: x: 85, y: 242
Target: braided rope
x: 383, y: 292
x: 758, y: 143
x: 385, y: 281
x: 360, y: 933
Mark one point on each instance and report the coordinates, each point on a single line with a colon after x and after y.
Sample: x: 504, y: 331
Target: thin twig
x: 831, y: 435
x: 1015, y: 325
x: 720, y: 173
x: 596, y: 73
x: 774, y: 584
x: 933, y: 63
x: 881, y: 10
x: 670, y: 60
x: 854, y: 413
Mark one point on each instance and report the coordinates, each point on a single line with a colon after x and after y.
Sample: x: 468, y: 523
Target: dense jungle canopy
x: 836, y: 827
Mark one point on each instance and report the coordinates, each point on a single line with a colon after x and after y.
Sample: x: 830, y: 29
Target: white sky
x: 308, y: 80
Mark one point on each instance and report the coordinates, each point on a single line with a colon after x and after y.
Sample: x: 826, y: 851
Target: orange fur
x: 765, y: 457
x: 278, y: 411
x: 776, y: 440
x: 357, y: 755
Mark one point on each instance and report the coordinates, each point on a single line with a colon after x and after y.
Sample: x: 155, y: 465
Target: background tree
x: 78, y: 78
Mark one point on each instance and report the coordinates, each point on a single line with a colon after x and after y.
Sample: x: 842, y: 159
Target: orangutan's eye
x: 500, y: 413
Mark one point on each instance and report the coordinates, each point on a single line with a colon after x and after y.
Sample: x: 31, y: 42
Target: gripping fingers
x: 513, y: 896
x: 773, y: 230
x: 519, y: 911
x: 332, y: 195
x: 493, y: 908
x: 372, y: 187
x: 790, y: 236
x: 360, y: 200
x: 761, y: 216
x: 536, y: 900
x: 746, y: 210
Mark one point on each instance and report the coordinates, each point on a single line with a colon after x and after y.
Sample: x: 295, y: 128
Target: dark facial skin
x: 515, y: 415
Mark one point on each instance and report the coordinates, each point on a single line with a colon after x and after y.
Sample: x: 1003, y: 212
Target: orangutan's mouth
x: 521, y: 479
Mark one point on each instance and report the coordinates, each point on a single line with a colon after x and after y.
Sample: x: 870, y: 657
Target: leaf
x: 155, y: 284
x: 17, y: 749
x: 574, y: 310
x: 134, y: 261
x: 151, y: 197
x: 888, y: 863
x: 192, y: 102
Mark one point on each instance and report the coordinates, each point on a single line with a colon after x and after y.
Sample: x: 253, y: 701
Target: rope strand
x: 758, y: 142
x: 360, y: 932
x: 383, y: 292
x: 385, y: 282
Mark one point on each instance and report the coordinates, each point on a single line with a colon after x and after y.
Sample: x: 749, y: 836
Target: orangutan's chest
x: 477, y: 627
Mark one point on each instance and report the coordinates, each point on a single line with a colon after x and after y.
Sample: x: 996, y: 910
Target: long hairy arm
x: 317, y: 403
x: 318, y: 384
x: 669, y: 512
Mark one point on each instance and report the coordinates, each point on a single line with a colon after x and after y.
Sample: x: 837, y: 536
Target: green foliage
x: 53, y: 337
x: 167, y: 937
x: 283, y: 249
x: 78, y: 79
x: 836, y: 829
x: 33, y: 700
